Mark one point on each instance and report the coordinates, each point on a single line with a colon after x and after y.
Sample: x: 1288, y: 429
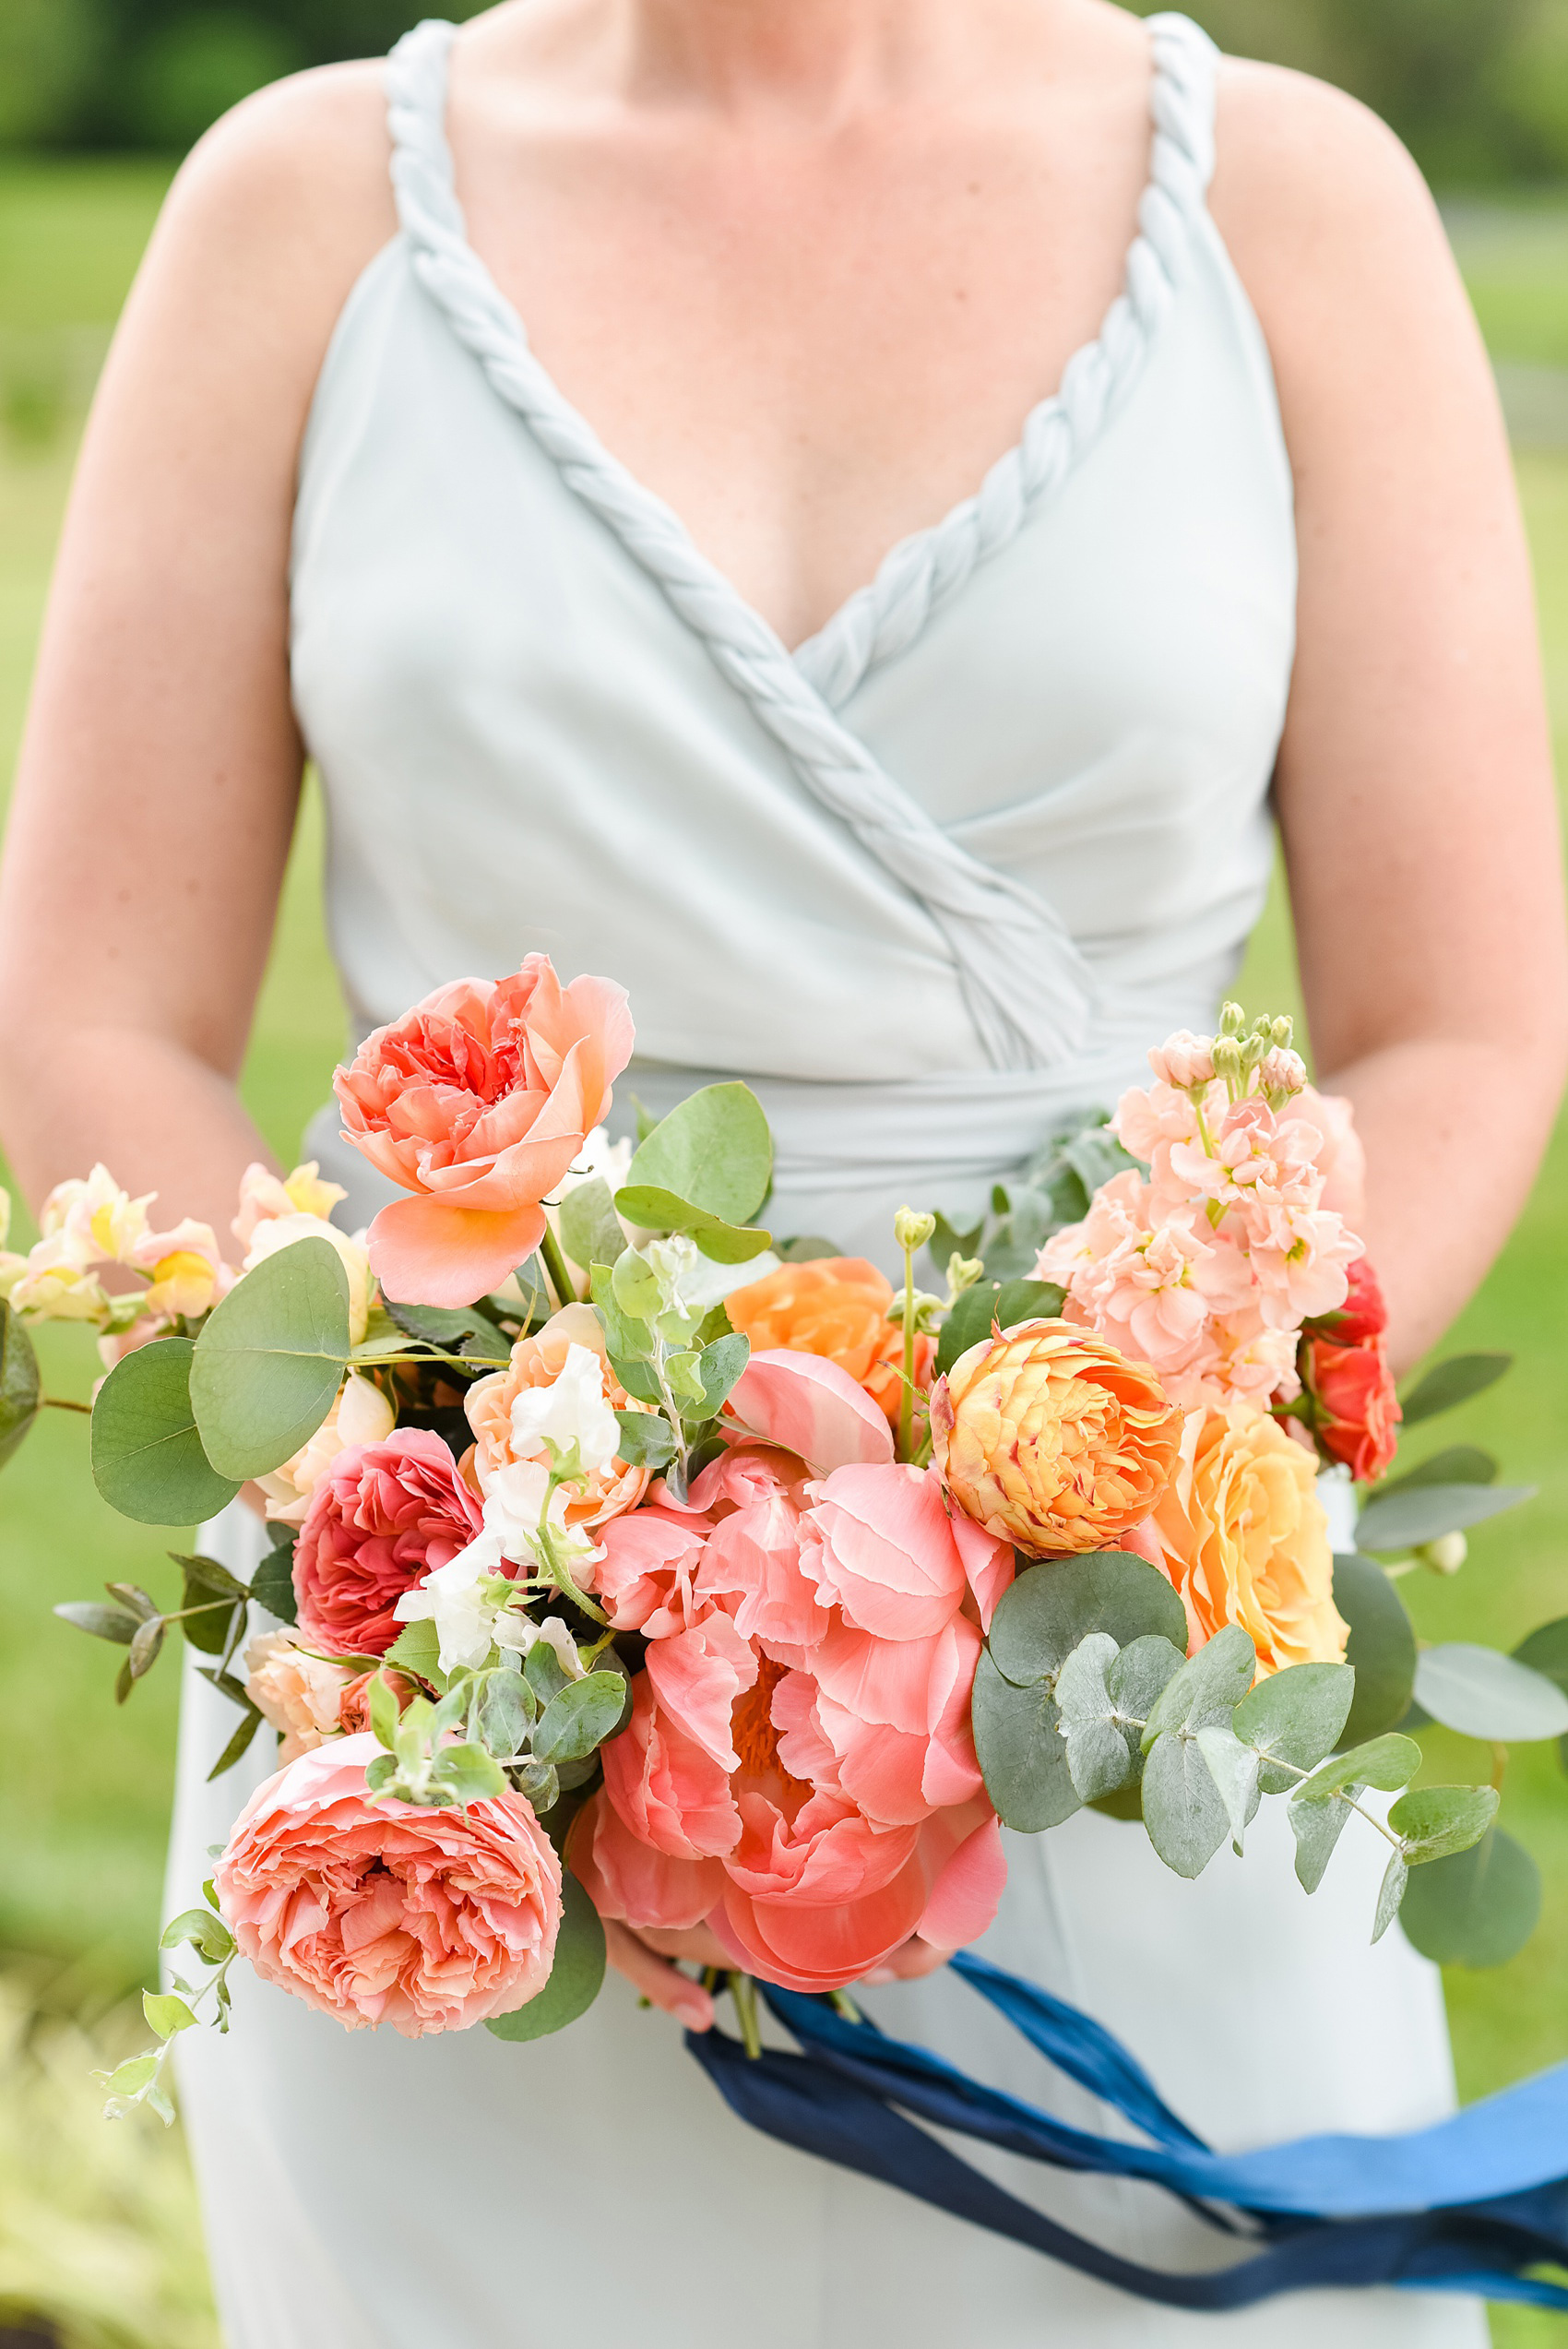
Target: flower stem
x: 59, y: 1402
x: 742, y: 1996
x: 561, y: 1280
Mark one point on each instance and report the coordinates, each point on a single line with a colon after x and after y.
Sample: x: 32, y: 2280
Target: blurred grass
x: 84, y: 1804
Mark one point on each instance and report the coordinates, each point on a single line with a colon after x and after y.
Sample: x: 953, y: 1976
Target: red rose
x: 1363, y: 1313
x: 381, y: 1519
x: 1359, y: 1412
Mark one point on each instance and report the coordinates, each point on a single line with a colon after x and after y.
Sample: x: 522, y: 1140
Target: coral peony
x: 1359, y: 1412
x: 1242, y: 1535
x: 381, y: 1519
x: 1052, y: 1439
x: 378, y: 1912
x: 834, y: 1307
x: 808, y: 1407
x: 879, y: 1544
x: 511, y: 1414
x: 478, y: 1102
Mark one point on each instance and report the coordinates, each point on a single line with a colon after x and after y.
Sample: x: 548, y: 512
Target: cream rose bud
x: 361, y: 1414
x: 296, y: 1694
x: 282, y: 1231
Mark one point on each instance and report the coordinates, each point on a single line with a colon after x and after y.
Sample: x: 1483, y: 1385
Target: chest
x: 810, y: 349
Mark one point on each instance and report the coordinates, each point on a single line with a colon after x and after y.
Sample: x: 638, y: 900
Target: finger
x: 909, y: 1962
x: 703, y: 1948
x: 663, y: 1985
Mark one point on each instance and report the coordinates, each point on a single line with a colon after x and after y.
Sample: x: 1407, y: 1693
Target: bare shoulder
x: 270, y: 219
x: 1333, y: 232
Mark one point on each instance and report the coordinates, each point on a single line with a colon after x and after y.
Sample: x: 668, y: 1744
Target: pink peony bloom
x: 377, y: 1912
x: 380, y: 1518
x: 895, y: 1714
x: 879, y: 1544
x: 809, y: 1407
x: 646, y: 1576
x: 667, y: 1787
x: 626, y: 1879
x: 478, y: 1102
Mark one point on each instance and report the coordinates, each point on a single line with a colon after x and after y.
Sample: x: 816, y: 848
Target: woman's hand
x: 649, y: 1962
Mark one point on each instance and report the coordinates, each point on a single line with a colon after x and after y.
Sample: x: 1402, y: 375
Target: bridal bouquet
x: 625, y: 1563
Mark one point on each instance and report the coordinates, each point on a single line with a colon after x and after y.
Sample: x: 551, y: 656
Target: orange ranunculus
x: 1242, y: 1535
x: 1052, y: 1439
x: 835, y: 1307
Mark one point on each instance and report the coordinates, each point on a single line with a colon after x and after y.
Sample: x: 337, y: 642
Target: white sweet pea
x: 571, y: 1409
x: 520, y: 1632
x: 460, y: 1600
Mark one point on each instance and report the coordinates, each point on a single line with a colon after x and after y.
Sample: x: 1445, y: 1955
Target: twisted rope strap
x: 1027, y: 987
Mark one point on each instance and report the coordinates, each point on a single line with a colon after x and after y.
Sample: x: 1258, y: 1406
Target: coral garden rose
x: 834, y: 1307
x: 381, y: 1519
x: 379, y: 1911
x: 1052, y: 1439
x: 478, y: 1102
x: 299, y: 1695
x: 353, y: 1703
x: 509, y: 1412
x: 1359, y: 1412
x: 1364, y: 1313
x: 1242, y: 1535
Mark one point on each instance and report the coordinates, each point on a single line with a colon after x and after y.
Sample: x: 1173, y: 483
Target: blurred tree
x: 1478, y: 88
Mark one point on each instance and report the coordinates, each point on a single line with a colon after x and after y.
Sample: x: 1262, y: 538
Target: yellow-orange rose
x: 1052, y: 1439
x: 835, y: 1306
x: 1242, y: 1535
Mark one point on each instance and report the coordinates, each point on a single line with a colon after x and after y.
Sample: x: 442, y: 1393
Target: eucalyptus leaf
x: 808, y: 1248
x: 1317, y: 1827
x: 1388, y: 1762
x: 1137, y: 1678
x: 379, y: 1773
x: 1183, y: 1811
x: 385, y: 1710
x: 579, y: 1718
x: 1380, y: 1651
x: 590, y: 1229
x: 148, y: 1460
x: 1022, y: 1756
x: 272, y: 1584
x: 713, y: 1152
x: 1234, y: 1769
x: 1207, y: 1688
x: 444, y: 1327
x: 1424, y: 1512
x: 661, y: 1210
x: 1098, y: 1760
x: 21, y: 1392
x: 626, y: 1336
x: 648, y: 1440
x: 505, y: 1710
x: 102, y: 1623
x: 1460, y: 1464
x: 146, y: 1645
x: 543, y: 1672
x: 1295, y: 1716
x: 1545, y: 1651
x: 165, y: 2013
x: 1484, y: 1694
x: 1049, y: 1608
x: 1431, y: 1821
x: 718, y: 1367
x: 238, y: 1743
x: 1007, y: 1303
x: 129, y: 2078
x: 1395, y: 1878
x: 576, y: 1976
x: 1454, y: 1381
x: 468, y: 1774
x: 1476, y: 1908
x: 270, y: 1362
x: 538, y: 1783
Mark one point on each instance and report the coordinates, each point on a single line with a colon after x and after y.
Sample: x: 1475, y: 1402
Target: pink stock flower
x: 1183, y: 1060
x: 1341, y: 1160
x: 376, y: 1912
x: 381, y: 1519
x: 478, y: 1102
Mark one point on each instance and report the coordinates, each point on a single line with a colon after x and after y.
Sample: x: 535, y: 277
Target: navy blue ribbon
x: 1467, y: 2205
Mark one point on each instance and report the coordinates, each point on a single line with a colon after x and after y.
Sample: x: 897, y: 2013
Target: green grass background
x: 84, y: 1797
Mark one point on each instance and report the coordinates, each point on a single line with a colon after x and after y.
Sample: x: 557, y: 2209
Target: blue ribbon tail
x: 1422, y: 2212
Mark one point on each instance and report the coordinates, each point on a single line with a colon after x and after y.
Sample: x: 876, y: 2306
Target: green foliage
x: 1431, y: 1821
x: 270, y: 1362
x: 576, y: 1976
x: 704, y: 1170
x: 579, y: 1718
x: 1452, y: 1382
x: 272, y: 1584
x: 1380, y: 1650
x: 1404, y: 1519
x: 1023, y: 1756
x: 590, y: 1229
x: 21, y: 1387
x: 1007, y: 1303
x: 647, y: 1439
x: 1041, y: 1619
x: 148, y: 1460
x: 1475, y: 1908
x: 1484, y: 1694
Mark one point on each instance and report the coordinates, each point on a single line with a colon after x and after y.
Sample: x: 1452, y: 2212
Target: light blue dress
x: 928, y: 882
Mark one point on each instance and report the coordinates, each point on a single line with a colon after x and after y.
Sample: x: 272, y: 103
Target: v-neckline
x: 886, y: 613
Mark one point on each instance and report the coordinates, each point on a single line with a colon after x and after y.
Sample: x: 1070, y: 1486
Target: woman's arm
x: 1415, y: 783
x: 161, y: 769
